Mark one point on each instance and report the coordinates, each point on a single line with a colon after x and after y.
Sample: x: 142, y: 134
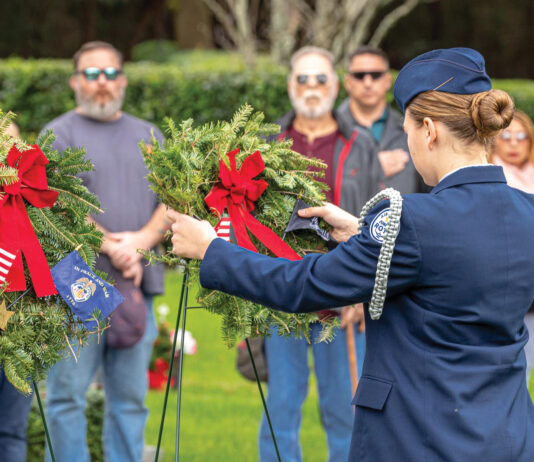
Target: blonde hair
x: 526, y: 121
x: 475, y: 118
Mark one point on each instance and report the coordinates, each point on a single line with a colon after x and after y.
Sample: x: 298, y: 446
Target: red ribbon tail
x: 237, y: 215
x: 15, y: 278
x: 42, y: 281
x: 270, y: 239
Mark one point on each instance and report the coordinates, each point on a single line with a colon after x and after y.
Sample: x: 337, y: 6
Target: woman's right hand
x: 345, y: 225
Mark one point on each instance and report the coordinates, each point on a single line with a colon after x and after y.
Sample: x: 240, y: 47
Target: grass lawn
x: 221, y: 411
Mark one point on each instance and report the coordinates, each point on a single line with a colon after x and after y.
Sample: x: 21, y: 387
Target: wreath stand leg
x: 263, y: 401
x: 183, y: 308
x: 44, y: 420
x: 181, y: 366
x: 185, y: 279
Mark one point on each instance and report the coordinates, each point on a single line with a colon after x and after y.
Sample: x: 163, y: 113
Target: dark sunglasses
x: 375, y: 75
x: 92, y: 73
x: 321, y: 79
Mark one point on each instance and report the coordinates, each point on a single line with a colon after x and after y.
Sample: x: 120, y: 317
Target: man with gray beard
x: 132, y: 219
x: 353, y: 175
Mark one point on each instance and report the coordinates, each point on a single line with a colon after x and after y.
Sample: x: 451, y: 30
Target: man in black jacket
x: 367, y: 82
x: 354, y: 176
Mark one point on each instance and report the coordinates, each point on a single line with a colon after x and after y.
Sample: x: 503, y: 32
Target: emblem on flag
x: 7, y: 257
x: 83, y: 291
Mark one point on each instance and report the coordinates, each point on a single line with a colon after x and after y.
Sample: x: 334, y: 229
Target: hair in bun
x: 473, y: 118
x: 491, y: 111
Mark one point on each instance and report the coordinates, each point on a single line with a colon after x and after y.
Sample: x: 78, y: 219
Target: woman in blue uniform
x: 444, y: 373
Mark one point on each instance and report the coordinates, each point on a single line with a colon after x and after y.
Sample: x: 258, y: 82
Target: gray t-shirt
x: 119, y: 179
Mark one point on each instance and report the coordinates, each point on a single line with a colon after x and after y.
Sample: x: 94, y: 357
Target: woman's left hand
x: 190, y: 237
x: 345, y: 225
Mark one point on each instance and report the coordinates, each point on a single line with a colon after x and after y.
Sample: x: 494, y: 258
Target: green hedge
x: 38, y: 91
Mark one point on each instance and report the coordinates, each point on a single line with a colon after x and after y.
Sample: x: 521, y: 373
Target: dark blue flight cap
x: 454, y: 70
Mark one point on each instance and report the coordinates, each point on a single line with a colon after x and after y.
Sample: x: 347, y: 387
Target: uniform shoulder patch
x: 378, y: 225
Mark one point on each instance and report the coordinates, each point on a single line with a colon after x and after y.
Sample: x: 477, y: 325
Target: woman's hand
x: 190, y: 237
x: 345, y: 225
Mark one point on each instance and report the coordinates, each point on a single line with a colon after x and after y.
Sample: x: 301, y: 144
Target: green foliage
x: 159, y: 51
x: 186, y: 167
x: 43, y: 328
x: 38, y: 90
x: 162, y: 345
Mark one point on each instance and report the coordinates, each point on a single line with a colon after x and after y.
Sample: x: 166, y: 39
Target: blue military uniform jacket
x: 444, y: 373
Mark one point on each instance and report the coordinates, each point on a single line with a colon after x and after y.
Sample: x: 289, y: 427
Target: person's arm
x: 122, y: 246
x: 341, y: 277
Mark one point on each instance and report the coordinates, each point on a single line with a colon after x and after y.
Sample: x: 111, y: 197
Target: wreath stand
x: 182, y: 308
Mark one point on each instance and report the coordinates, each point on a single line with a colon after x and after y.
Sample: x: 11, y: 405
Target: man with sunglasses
x: 132, y: 219
x: 353, y: 175
x: 367, y: 82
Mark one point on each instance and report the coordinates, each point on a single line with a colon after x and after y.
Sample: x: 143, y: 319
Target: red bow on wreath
x: 237, y: 192
x: 15, y: 225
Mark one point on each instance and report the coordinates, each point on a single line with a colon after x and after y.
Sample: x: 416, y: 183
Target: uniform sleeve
x: 341, y: 277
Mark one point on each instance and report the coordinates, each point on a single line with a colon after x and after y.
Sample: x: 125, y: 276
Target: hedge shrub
x: 38, y: 91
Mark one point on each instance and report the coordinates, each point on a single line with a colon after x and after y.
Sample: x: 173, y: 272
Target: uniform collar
x: 478, y: 174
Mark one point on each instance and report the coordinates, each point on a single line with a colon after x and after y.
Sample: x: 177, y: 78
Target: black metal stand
x: 183, y: 309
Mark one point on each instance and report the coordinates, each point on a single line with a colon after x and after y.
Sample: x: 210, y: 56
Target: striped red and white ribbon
x: 223, y: 228
x: 6, y: 262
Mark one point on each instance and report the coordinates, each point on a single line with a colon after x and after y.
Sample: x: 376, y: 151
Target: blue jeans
x: 125, y: 384
x: 287, y: 363
x: 14, y: 411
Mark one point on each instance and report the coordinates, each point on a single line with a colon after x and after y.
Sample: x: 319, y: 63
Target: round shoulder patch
x: 378, y: 225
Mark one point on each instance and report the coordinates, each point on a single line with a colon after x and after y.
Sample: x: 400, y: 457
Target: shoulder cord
x: 378, y: 297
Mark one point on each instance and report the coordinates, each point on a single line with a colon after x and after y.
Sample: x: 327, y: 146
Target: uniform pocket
x: 372, y: 393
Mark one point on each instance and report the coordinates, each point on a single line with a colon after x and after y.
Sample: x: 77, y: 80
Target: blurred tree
x: 192, y: 23
x: 501, y: 31
x: 239, y: 19
x: 338, y: 25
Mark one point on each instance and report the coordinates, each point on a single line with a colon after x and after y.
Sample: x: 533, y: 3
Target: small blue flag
x: 83, y: 290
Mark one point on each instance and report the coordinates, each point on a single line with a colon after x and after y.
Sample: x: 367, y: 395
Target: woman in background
x: 514, y: 152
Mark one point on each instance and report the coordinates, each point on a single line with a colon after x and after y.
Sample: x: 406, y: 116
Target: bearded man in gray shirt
x: 132, y: 220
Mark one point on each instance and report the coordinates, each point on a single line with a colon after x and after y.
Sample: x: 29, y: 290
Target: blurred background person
x: 367, y: 82
x: 13, y: 130
x: 352, y: 175
x: 514, y: 152
x: 133, y: 219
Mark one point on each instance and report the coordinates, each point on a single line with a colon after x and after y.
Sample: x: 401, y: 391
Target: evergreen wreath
x: 184, y: 170
x: 42, y: 329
